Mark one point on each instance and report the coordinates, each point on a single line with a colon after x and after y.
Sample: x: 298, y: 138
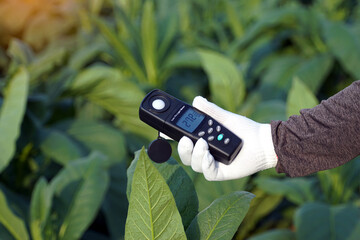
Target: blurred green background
x: 72, y: 76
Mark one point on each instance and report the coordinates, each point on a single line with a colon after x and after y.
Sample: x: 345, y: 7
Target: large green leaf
x: 345, y: 45
x: 10, y: 221
x: 60, y: 147
x: 314, y: 71
x: 180, y: 184
x: 152, y: 210
x: 11, y: 115
x: 99, y: 136
x: 121, y: 49
x: 115, y: 204
x: 90, y: 77
x: 277, y: 79
x: 278, y: 234
x: 226, y: 83
x: 40, y: 208
x: 297, y: 190
x: 81, y: 187
x: 339, y: 184
x: 322, y: 221
x: 222, y: 218
x: 117, y: 95
x: 299, y: 97
x: 218, y: 189
x: 149, y: 41
x: 260, y: 207
x: 267, y: 111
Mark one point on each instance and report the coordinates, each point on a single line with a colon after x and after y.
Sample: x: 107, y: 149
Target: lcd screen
x: 190, y: 120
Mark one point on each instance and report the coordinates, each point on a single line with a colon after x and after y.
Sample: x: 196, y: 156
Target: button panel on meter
x: 210, y: 135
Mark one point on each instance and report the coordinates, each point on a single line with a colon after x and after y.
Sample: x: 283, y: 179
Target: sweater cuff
x: 267, y: 146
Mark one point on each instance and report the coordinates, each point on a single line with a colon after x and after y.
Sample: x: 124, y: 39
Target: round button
x: 220, y: 137
x: 158, y: 104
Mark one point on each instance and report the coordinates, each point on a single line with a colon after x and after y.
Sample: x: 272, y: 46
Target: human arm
x: 319, y: 138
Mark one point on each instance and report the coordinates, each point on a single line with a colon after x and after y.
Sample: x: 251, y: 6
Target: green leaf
x: 100, y: 137
x: 81, y: 186
x: 278, y: 234
x: 84, y: 55
x: 11, y: 115
x: 115, y: 94
x: 188, y: 59
x: 322, y: 221
x: 90, y: 77
x: 267, y: 111
x: 122, y: 50
x: 152, y: 210
x: 278, y: 76
x: 20, y: 52
x: 300, y: 97
x: 40, y: 205
x: 149, y: 42
x: 222, y: 218
x: 45, y: 63
x: 260, y: 207
x: 115, y: 205
x: 60, y: 147
x: 227, y: 85
x: 296, y: 190
x: 339, y: 184
x: 180, y: 184
x: 345, y: 45
x: 314, y: 71
x: 218, y: 189
x: 10, y: 221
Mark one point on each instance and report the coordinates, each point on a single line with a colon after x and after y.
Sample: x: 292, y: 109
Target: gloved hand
x: 256, y: 154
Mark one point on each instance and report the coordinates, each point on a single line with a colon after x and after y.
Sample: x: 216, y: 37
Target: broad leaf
x: 267, y: 111
x: 10, y: 221
x: 81, y: 187
x: 226, y: 83
x: 322, y: 221
x: 152, y: 210
x: 278, y: 234
x: 121, y: 49
x: 260, y: 207
x: 60, y: 147
x: 222, y: 218
x: 40, y: 208
x: 314, y: 71
x: 180, y: 184
x: 339, y: 184
x: 345, y: 45
x: 218, y: 189
x: 299, y: 97
x: 11, y: 115
x: 99, y: 136
x: 149, y: 42
x: 296, y: 190
x: 278, y: 76
x: 121, y: 97
x: 115, y: 204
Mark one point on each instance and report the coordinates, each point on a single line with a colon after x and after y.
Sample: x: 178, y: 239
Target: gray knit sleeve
x: 320, y: 138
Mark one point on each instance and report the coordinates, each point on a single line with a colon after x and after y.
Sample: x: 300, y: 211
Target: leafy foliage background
x: 72, y: 76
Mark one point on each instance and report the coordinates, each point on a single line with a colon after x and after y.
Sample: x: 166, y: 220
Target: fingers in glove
x: 212, y: 168
x: 200, y: 149
x: 185, y: 149
x: 210, y: 108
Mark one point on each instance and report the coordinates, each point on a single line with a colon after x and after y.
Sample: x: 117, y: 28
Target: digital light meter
x: 176, y: 119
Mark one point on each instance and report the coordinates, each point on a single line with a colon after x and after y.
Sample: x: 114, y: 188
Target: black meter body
x: 176, y: 119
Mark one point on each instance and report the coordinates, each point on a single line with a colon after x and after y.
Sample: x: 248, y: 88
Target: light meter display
x: 190, y: 120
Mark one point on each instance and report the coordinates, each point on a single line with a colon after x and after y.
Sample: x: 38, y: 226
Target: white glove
x: 256, y: 154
